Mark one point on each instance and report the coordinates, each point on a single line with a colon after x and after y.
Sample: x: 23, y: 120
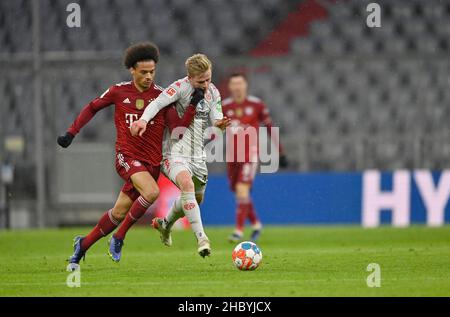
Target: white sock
x: 257, y: 226
x: 175, y: 213
x: 192, y: 212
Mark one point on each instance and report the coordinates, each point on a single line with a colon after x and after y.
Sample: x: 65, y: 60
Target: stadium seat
x: 341, y: 81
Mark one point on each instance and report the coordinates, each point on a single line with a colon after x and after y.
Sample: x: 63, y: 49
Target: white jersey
x: 209, y: 110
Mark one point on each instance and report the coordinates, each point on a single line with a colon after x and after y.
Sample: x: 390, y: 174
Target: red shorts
x: 239, y: 172
x: 126, y: 166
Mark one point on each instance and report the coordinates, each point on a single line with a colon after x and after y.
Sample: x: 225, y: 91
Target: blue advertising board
x: 368, y: 198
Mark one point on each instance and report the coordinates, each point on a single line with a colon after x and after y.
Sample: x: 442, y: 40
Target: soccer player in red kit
x: 137, y: 158
x: 245, y: 112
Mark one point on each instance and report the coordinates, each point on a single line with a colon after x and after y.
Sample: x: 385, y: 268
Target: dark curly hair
x: 140, y: 52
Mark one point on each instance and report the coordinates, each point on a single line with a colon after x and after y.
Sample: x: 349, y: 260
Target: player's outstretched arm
x: 167, y: 97
x: 174, y: 121
x: 86, y: 114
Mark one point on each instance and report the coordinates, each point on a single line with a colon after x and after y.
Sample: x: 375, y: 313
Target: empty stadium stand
x: 346, y: 97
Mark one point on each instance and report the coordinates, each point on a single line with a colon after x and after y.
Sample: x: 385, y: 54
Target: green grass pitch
x: 297, y: 261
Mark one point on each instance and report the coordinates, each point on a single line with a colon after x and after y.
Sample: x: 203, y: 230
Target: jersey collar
x: 152, y: 85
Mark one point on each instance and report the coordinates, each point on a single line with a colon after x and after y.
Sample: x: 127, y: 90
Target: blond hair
x: 197, y: 64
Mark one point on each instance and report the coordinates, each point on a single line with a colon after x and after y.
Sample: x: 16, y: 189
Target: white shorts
x: 171, y: 167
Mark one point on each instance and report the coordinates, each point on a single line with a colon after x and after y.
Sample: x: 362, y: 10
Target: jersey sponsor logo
x: 126, y: 100
x: 130, y: 118
x: 188, y: 206
x: 140, y: 104
x: 170, y: 91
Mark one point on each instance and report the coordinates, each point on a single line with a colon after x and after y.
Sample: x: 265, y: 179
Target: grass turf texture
x: 297, y: 261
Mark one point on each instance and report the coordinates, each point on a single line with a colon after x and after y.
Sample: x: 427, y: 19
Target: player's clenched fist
x: 65, y: 140
x: 197, y: 96
x: 138, y: 127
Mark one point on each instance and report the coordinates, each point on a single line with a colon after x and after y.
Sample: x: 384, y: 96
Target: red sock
x: 105, y: 226
x: 241, y: 215
x: 251, y: 213
x: 138, y: 208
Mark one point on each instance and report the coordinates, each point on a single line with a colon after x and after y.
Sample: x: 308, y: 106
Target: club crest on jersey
x: 139, y: 104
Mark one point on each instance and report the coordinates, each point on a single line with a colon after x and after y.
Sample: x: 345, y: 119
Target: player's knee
x: 187, y: 185
x: 119, y: 213
x: 242, y: 192
x: 150, y: 194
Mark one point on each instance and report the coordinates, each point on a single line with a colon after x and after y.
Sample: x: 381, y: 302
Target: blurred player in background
x: 245, y: 112
x: 137, y: 159
x: 184, y: 157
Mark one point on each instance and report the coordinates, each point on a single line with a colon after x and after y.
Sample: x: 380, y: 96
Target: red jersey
x: 129, y: 105
x: 252, y: 112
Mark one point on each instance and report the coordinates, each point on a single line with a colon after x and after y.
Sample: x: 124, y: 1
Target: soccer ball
x: 247, y: 256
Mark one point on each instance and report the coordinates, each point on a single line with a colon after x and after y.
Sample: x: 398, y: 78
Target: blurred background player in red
x: 245, y: 111
x: 137, y: 158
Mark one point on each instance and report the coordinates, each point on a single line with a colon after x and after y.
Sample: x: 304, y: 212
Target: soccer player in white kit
x: 184, y: 157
